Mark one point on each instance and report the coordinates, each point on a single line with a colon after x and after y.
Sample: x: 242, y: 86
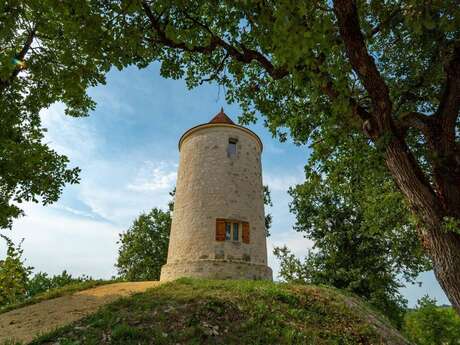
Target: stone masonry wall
x: 212, y: 185
x: 216, y: 269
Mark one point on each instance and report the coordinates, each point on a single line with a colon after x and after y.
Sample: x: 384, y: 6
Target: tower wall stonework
x: 212, y: 185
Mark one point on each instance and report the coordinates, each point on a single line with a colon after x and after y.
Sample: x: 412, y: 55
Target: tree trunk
x: 442, y: 246
x: 444, y: 249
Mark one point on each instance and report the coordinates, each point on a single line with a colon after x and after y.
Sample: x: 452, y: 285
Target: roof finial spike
x: 221, y: 109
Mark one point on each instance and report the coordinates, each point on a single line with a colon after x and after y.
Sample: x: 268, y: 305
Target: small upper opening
x: 231, y: 149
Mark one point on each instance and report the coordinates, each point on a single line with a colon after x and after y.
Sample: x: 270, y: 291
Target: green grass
x: 53, y: 293
x: 192, y: 311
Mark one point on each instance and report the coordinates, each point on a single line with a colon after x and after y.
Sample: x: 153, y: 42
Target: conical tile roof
x: 221, y: 117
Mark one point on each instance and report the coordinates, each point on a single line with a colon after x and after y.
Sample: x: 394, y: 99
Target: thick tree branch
x: 414, y: 120
x: 384, y: 23
x: 246, y: 55
x: 408, y: 175
x: 20, y: 56
x: 449, y: 107
x: 328, y: 88
x: 442, y: 139
x: 363, y: 64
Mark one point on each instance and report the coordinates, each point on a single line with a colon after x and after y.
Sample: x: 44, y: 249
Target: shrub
x: 432, y: 325
x: 14, y: 274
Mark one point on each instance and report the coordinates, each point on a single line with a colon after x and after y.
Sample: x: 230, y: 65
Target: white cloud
x: 155, y: 176
x: 120, y: 193
x: 282, y: 182
x: 274, y: 149
x: 55, y: 242
x: 110, y: 99
x: 70, y: 136
x: 120, y: 205
x: 74, y: 211
x: 295, y: 241
x: 115, y: 189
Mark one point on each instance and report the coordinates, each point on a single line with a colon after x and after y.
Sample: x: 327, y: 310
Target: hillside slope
x: 25, y: 322
x: 190, y: 311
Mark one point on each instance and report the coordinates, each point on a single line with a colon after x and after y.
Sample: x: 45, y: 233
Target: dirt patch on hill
x: 25, y: 323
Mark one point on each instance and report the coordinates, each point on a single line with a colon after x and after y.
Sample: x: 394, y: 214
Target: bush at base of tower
x: 144, y: 246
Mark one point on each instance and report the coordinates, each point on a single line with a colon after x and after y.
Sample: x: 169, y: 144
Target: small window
x: 232, y: 230
x: 235, y: 232
x: 231, y: 149
x: 228, y: 230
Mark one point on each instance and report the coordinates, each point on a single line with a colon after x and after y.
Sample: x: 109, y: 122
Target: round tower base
x: 215, y: 269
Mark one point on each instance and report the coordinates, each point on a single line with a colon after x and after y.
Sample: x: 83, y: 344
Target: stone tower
x: 218, y: 223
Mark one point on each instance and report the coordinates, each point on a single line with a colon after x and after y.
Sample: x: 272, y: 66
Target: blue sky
x: 127, y: 150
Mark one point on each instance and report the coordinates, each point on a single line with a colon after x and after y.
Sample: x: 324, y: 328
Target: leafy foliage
x: 432, y: 325
x: 364, y: 238
x: 42, y: 282
x: 144, y: 246
x: 14, y: 274
x: 50, y: 51
x: 268, y: 216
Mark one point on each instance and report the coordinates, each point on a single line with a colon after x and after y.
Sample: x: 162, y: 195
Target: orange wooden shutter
x: 245, y: 232
x: 220, y: 229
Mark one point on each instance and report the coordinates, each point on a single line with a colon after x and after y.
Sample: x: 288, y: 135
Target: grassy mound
x: 190, y: 311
